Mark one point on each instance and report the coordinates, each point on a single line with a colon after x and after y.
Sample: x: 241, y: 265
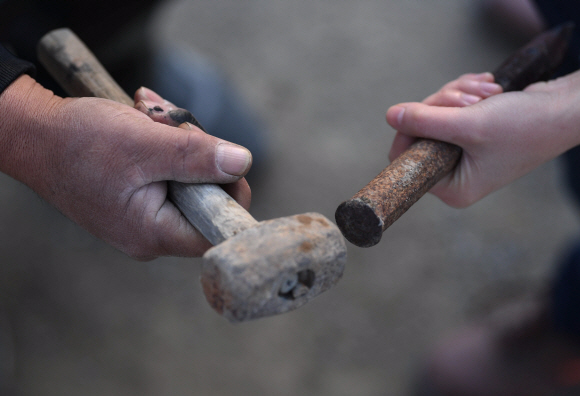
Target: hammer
x: 363, y: 218
x: 254, y: 269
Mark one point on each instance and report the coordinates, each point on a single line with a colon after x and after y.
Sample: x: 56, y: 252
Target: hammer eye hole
x: 291, y: 289
x: 306, y: 278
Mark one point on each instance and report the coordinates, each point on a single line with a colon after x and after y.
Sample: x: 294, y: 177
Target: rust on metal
x: 363, y: 218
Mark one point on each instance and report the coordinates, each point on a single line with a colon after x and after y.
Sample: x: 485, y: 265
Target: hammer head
x: 274, y: 267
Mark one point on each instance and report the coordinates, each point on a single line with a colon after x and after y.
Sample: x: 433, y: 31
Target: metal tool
x: 363, y: 218
x: 255, y: 269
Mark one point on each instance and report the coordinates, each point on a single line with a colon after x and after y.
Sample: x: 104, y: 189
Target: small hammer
x: 363, y: 218
x: 254, y: 269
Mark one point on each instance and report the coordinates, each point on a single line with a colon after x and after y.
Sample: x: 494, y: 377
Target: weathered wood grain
x: 254, y: 269
x: 207, y: 207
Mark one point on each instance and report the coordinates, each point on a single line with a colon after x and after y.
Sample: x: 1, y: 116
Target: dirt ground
x: 79, y: 318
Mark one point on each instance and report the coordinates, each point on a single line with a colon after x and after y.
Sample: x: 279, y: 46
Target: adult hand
x: 503, y: 137
x: 105, y: 165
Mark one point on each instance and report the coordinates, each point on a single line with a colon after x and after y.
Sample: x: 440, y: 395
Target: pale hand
x: 503, y: 136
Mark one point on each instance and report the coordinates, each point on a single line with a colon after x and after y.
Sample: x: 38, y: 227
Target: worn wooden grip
x: 206, y: 206
x: 76, y: 69
x: 211, y: 210
x: 363, y: 218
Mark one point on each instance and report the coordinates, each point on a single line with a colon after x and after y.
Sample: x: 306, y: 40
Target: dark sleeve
x: 12, y: 67
x: 556, y: 12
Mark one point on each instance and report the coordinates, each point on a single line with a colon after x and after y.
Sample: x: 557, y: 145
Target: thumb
x: 188, y: 155
x: 419, y: 120
x: 230, y: 158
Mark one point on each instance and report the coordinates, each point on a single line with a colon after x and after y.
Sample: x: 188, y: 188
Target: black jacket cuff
x: 12, y: 67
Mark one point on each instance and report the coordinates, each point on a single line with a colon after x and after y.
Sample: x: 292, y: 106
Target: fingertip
x: 486, y: 76
x: 395, y: 115
x: 145, y: 93
x: 142, y: 94
x: 240, y: 191
x: 432, y: 122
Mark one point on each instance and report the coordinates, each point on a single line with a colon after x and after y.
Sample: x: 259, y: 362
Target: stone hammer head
x: 274, y: 267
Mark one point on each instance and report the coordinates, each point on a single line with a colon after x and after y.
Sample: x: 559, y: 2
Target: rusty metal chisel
x: 363, y: 218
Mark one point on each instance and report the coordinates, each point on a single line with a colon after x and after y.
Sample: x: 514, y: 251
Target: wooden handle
x: 363, y: 218
x: 207, y: 207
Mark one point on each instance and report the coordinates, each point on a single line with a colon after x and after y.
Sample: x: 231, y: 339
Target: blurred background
x: 78, y: 317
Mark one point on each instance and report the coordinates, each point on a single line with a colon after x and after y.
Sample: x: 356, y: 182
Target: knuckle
x: 189, y: 158
x: 454, y: 97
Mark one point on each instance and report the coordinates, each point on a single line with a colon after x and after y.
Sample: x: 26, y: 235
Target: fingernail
x: 470, y: 99
x: 397, y: 112
x: 186, y: 125
x: 490, y: 88
x: 232, y: 159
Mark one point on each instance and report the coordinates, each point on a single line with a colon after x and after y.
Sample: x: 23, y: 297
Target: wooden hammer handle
x: 364, y: 217
x: 207, y: 207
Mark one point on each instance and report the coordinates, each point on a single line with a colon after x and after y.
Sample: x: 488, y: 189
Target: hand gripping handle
x: 363, y: 218
x: 207, y: 207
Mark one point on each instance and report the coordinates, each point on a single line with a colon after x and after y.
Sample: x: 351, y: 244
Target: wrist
x: 567, y: 117
x: 549, y: 115
x: 25, y: 131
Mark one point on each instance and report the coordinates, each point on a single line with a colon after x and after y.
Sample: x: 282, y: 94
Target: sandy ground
x: 84, y: 319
